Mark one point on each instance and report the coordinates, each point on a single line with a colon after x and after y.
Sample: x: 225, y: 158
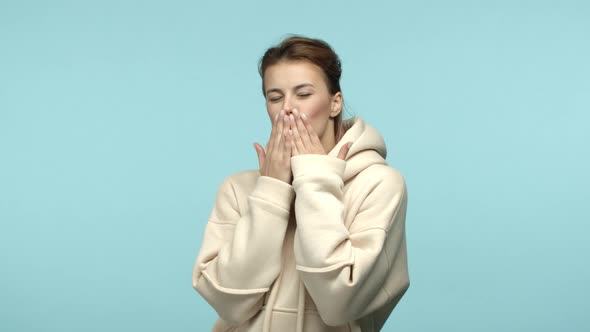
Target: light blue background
x: 119, y: 119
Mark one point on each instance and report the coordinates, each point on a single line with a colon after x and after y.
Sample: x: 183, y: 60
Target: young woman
x: 314, y: 240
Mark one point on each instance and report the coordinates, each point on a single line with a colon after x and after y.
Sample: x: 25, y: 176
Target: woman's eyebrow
x: 297, y: 87
x: 273, y: 90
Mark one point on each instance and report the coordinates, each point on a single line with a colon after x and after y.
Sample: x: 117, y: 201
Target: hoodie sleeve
x: 239, y: 260
x: 349, y: 272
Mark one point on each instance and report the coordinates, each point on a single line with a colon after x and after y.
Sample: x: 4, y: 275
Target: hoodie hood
x: 368, y: 147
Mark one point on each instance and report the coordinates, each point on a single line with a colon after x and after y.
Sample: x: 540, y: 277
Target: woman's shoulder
x: 241, y: 181
x: 382, y: 175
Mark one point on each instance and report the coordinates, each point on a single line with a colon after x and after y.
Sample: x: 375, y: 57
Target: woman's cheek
x: 272, y: 112
x: 316, y: 116
x: 312, y: 113
x: 317, y: 123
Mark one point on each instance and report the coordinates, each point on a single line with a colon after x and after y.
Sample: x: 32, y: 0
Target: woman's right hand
x: 276, y: 161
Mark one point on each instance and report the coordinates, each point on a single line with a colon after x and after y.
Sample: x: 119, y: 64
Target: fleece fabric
x: 325, y: 253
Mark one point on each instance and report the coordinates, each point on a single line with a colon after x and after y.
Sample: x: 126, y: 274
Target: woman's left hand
x: 304, y: 139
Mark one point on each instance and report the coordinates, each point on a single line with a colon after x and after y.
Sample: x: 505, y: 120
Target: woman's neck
x: 329, y: 140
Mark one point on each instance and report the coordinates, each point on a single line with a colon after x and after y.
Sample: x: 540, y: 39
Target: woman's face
x: 301, y: 85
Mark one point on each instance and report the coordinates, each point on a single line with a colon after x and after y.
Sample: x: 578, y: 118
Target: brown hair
x: 316, y: 51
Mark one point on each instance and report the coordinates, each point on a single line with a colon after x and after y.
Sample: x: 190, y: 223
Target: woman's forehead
x: 293, y: 74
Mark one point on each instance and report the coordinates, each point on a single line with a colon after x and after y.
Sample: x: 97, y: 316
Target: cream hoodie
x: 327, y: 253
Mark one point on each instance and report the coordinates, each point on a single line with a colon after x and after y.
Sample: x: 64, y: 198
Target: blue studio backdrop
x: 119, y: 120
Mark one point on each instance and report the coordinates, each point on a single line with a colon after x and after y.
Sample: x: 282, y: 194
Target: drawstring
x: 271, y: 299
x: 300, y: 307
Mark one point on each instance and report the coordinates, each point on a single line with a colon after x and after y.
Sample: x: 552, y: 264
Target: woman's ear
x: 336, y: 107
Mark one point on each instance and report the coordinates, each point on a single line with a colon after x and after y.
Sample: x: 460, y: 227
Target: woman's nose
x: 288, y: 106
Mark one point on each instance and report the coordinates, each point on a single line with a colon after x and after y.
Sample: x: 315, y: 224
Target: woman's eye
x: 304, y: 94
x: 274, y: 99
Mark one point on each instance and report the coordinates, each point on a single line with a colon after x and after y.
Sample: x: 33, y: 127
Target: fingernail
x: 303, y: 116
x: 292, y: 118
x: 290, y: 132
x: 295, y: 111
